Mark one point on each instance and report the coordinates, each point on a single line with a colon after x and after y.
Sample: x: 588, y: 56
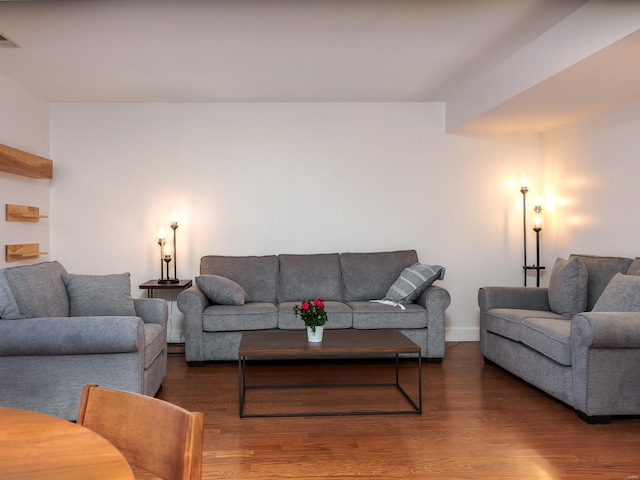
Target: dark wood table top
x: 153, y: 284
x: 36, y: 446
x: 348, y: 341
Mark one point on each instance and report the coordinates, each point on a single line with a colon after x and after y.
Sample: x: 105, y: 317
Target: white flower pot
x: 316, y: 336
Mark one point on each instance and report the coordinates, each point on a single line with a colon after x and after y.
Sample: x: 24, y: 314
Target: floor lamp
x: 537, y: 227
x: 524, y: 190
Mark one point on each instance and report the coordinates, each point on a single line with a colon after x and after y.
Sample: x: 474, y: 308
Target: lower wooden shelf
x: 22, y: 251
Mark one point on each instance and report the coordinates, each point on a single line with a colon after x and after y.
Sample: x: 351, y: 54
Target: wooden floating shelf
x: 23, y: 213
x: 22, y: 251
x: 23, y: 163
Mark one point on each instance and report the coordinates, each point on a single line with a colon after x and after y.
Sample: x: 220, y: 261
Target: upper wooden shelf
x: 19, y: 162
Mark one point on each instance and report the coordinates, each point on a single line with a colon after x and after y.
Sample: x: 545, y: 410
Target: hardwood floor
x: 478, y: 422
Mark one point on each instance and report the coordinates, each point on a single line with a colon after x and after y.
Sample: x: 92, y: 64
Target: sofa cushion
x: 368, y: 276
x: 257, y: 275
x: 549, y: 336
x: 8, y: 306
x: 412, y: 282
x: 221, y: 290
x: 99, y: 295
x: 600, y: 270
x: 568, y: 287
x: 39, y: 289
x: 232, y: 318
x: 621, y: 295
x: 368, y: 315
x: 507, y: 322
x: 309, y: 276
x: 339, y: 315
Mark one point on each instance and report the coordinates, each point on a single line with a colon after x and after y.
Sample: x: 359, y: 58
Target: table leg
x: 241, y: 383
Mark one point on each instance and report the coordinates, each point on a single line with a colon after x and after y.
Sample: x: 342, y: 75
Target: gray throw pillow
x: 222, y: 290
x: 412, y: 282
x: 621, y: 295
x: 568, y: 287
x: 8, y: 307
x: 39, y: 290
x: 99, y: 295
x: 634, y: 268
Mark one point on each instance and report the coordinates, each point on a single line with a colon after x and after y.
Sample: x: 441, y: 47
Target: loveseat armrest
x: 152, y: 310
x: 192, y: 301
x: 513, y: 297
x: 605, y: 330
x: 70, y: 336
x: 605, y: 354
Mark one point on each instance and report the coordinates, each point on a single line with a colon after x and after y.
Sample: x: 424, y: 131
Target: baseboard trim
x: 462, y: 334
x: 175, y: 348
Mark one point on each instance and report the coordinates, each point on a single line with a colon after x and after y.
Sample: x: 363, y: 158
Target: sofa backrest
x: 600, y: 270
x: 257, y: 275
x: 368, y: 276
x: 309, y: 276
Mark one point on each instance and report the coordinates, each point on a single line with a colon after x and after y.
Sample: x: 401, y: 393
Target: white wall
x: 24, y: 124
x: 592, y: 169
x: 254, y: 179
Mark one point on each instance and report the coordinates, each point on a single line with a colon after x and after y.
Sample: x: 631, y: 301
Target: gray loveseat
x: 577, y: 340
x: 271, y: 285
x: 59, y: 331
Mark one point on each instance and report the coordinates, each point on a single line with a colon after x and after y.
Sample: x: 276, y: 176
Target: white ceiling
x: 275, y: 50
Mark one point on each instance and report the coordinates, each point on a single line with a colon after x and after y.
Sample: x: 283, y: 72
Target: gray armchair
x: 51, y: 346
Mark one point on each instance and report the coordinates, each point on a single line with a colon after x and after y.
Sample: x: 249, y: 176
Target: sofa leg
x: 594, y: 419
x: 488, y: 362
x: 195, y: 364
x: 433, y: 360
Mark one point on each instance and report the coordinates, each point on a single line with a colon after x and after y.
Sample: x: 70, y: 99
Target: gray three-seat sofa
x: 272, y: 284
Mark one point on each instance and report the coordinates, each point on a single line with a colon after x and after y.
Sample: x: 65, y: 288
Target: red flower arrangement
x: 313, y: 313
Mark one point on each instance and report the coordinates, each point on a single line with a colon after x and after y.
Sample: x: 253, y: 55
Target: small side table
x: 152, y: 285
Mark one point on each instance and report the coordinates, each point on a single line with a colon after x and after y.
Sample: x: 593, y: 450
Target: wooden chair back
x: 155, y: 435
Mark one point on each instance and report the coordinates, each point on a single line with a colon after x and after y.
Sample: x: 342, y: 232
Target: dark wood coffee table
x: 293, y: 345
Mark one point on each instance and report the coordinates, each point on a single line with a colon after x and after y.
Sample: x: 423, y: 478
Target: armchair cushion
x: 39, y: 290
x: 634, y: 268
x: 621, y: 295
x: 8, y: 306
x: 99, y: 295
x: 221, y: 290
x: 568, y: 287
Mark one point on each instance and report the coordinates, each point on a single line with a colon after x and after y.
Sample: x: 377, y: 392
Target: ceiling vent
x: 6, y: 43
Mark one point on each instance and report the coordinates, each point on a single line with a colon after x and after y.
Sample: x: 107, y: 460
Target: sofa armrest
x: 70, y: 335
x: 152, y: 310
x: 526, y: 298
x: 435, y: 300
x: 605, y: 330
x: 434, y: 297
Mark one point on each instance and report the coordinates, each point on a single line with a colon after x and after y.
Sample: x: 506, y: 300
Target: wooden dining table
x: 37, y: 446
